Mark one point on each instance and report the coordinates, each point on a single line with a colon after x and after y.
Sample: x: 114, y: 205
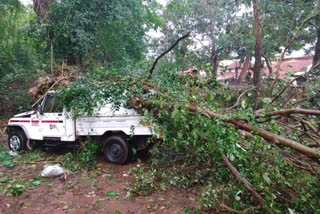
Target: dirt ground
x: 102, y: 190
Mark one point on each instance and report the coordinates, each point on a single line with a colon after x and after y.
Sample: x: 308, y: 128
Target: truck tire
x: 17, y: 141
x: 116, y: 150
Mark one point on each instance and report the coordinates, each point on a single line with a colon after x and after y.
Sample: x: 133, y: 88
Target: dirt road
x: 102, y: 190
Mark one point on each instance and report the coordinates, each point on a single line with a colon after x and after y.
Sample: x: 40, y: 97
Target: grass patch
x: 14, y: 186
x: 6, y: 159
x: 33, y: 156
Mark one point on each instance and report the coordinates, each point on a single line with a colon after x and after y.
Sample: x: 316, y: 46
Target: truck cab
x: 119, y: 130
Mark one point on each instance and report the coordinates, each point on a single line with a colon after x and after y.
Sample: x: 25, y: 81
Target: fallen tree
x: 186, y: 110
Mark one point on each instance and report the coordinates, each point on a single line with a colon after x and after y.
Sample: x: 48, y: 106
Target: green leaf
x: 291, y: 211
x: 36, y: 183
x: 266, y: 100
x: 112, y: 193
x: 243, y: 104
x: 266, y: 178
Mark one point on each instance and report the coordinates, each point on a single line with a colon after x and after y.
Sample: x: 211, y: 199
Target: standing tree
x: 211, y: 23
x: 109, y: 32
x: 258, y: 46
x: 316, y: 58
x: 245, y: 68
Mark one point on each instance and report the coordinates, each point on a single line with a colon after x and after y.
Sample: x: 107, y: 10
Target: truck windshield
x: 52, y: 104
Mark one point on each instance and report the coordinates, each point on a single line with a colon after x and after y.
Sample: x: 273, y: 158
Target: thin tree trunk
x: 316, y: 57
x: 245, y: 67
x: 51, y: 57
x: 268, y: 65
x: 214, y: 60
x: 258, y: 46
x: 237, y: 69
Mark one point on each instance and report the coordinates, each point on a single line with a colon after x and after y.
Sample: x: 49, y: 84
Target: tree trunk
x: 51, y: 57
x: 214, y: 60
x: 316, y: 57
x: 42, y: 7
x: 237, y: 69
x: 258, y: 46
x: 268, y: 65
x: 245, y: 67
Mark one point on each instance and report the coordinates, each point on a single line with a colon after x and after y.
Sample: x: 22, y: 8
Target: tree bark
x: 51, y: 57
x: 258, y: 46
x: 245, y: 67
x: 237, y: 69
x: 42, y: 7
x: 214, y: 60
x: 294, y: 111
x: 316, y: 57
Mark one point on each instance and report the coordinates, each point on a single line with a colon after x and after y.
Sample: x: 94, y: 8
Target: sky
x: 26, y: 2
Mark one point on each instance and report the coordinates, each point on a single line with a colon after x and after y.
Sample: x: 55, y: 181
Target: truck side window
x: 52, y: 105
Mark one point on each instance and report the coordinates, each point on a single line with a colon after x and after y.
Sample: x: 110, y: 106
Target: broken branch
x: 269, y: 136
x: 289, y: 83
x: 49, y: 90
x: 167, y: 51
x: 241, y: 95
x: 229, y: 209
x: 245, y: 182
x: 286, y: 112
x: 244, y: 125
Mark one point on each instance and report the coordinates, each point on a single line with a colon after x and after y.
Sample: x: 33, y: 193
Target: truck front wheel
x: 17, y: 141
x: 116, y: 149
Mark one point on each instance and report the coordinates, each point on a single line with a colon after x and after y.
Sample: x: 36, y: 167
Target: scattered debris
x: 36, y: 183
x: 12, y: 153
x: 52, y: 171
x: 62, y: 76
x: 90, y: 194
x: 112, y: 193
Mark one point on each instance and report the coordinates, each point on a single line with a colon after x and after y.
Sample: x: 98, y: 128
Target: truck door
x: 52, y: 120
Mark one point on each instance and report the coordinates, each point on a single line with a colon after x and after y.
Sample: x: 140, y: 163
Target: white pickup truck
x: 120, y: 131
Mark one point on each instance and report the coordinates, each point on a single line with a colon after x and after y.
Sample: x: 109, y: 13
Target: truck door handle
x: 59, y: 114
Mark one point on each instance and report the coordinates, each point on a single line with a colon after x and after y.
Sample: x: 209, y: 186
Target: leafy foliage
x: 17, y: 57
x: 15, y: 187
x: 6, y: 159
x: 110, y: 32
x: 183, y: 131
x: 313, y: 93
x: 85, y: 158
